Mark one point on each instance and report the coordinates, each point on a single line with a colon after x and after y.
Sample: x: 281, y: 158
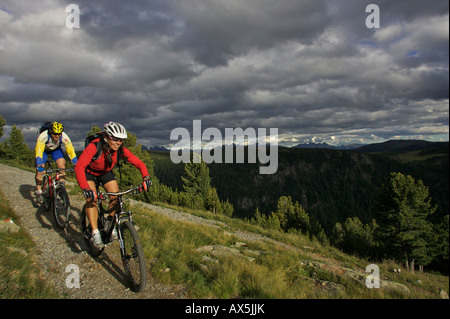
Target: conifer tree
x: 442, y: 244
x: 197, y: 181
x: 2, y: 123
x: 401, y: 213
x: 15, y: 146
x: 354, y: 237
x: 2, y: 145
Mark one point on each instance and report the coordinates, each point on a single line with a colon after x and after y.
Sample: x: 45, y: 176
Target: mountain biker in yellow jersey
x: 49, y: 142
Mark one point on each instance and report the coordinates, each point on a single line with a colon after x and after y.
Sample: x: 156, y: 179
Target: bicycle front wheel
x: 133, y: 256
x: 61, y: 207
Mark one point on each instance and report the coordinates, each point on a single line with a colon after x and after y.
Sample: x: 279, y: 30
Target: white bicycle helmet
x: 116, y: 130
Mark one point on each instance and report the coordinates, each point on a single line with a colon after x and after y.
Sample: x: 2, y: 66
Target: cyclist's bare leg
x: 61, y: 163
x: 91, y: 208
x: 112, y: 187
x: 38, y: 178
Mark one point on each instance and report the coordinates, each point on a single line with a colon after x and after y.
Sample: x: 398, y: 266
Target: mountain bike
x: 54, y: 195
x: 130, y: 246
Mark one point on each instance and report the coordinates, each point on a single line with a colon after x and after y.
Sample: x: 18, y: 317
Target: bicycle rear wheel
x: 61, y: 207
x: 45, y: 193
x: 133, y: 256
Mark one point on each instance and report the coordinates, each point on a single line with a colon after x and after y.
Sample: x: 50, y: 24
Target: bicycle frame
x: 120, y: 213
x: 51, y: 182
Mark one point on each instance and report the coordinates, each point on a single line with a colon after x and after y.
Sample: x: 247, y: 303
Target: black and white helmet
x: 116, y: 130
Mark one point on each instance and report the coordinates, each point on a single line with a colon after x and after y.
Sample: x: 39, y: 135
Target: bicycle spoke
x: 61, y: 207
x: 133, y: 257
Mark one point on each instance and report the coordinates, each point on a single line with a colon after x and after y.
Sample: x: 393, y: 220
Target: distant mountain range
x: 331, y: 147
x: 388, y: 146
x: 155, y: 148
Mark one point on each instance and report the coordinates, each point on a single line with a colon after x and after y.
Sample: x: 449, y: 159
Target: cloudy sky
x: 311, y: 68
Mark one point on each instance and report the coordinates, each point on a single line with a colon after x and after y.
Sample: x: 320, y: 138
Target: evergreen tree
x: 94, y: 129
x: 2, y: 145
x: 197, y: 181
x: 354, y: 237
x: 401, y: 213
x: 292, y: 215
x: 268, y: 222
x: 2, y: 123
x: 15, y: 146
x: 441, y: 251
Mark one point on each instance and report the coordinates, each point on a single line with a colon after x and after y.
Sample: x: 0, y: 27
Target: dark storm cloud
x: 310, y: 68
x: 217, y: 31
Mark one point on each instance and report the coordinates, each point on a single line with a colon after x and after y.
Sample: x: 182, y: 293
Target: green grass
x: 275, y: 272
x: 19, y: 275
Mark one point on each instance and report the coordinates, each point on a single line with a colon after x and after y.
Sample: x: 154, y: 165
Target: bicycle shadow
x: 108, y: 263
x: 110, y: 260
x: 27, y: 192
x: 45, y: 217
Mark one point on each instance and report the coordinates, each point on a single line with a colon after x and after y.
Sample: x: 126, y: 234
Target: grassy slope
x: 19, y: 275
x: 263, y: 269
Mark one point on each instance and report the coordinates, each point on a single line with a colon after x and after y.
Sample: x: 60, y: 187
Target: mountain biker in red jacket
x: 89, y: 171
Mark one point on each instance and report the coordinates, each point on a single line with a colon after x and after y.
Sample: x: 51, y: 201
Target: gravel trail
x: 100, y: 278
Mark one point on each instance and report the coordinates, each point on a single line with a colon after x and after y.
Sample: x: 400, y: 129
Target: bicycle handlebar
x: 52, y: 170
x: 136, y: 189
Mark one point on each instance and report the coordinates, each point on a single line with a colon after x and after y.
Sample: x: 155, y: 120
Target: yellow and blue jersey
x: 46, y: 144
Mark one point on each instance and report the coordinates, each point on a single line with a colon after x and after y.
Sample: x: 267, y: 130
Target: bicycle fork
x: 119, y: 220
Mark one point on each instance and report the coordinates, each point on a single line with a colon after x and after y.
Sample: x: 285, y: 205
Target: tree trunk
x: 411, y: 266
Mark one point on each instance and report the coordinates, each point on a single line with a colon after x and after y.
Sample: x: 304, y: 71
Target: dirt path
x: 101, y: 277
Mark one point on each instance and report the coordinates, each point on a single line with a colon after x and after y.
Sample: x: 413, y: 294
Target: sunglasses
x: 114, y: 139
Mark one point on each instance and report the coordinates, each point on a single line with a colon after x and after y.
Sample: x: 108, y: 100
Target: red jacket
x: 100, y: 166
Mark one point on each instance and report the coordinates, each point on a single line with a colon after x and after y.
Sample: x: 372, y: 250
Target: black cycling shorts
x: 103, y: 179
